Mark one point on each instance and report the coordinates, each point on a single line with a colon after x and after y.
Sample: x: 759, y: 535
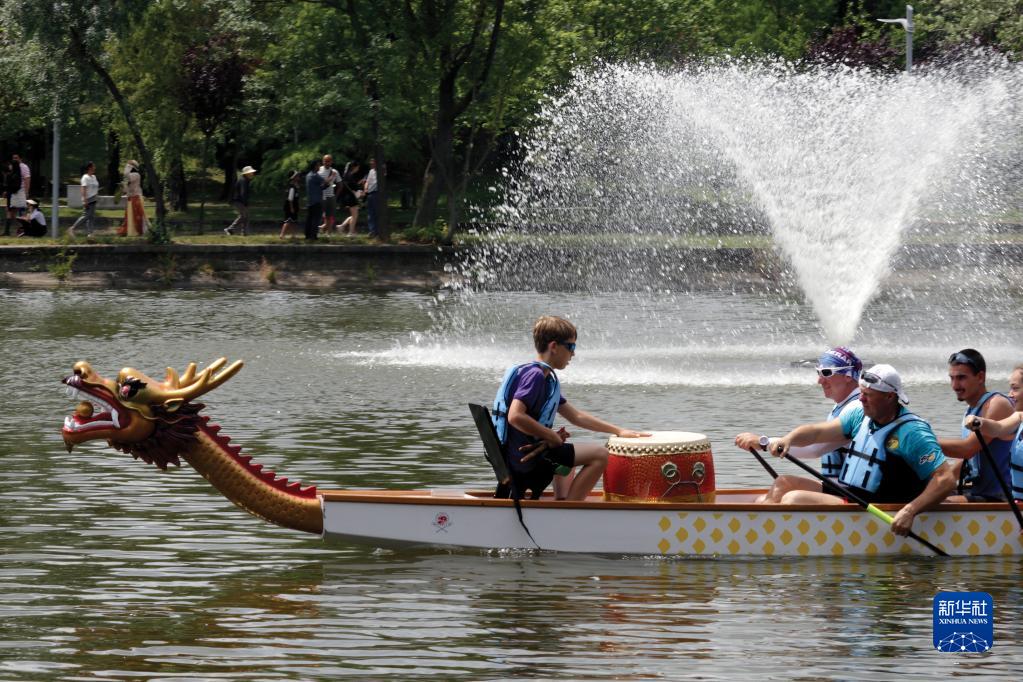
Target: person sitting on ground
x: 905, y: 464
x: 1011, y: 427
x: 523, y: 414
x: 34, y: 224
x: 978, y: 482
x: 838, y: 373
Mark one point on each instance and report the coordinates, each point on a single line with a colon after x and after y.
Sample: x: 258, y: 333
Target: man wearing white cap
x: 838, y: 374
x: 894, y: 456
x: 240, y: 201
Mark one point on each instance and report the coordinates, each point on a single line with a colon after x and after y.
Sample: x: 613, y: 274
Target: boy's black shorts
x: 540, y: 476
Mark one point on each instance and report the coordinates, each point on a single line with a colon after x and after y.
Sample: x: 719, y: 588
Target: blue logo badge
x: 964, y: 622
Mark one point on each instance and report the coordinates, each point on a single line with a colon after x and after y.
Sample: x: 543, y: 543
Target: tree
x: 212, y: 82
x: 76, y: 31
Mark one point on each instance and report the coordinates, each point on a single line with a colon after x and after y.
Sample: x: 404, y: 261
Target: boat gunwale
x: 482, y: 498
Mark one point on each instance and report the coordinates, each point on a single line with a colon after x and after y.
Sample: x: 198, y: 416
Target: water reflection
x: 112, y: 569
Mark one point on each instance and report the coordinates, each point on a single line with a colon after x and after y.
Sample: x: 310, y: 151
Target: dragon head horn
x: 191, y: 385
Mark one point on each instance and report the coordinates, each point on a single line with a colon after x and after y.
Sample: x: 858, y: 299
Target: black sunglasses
x: 962, y: 359
x: 569, y: 346
x: 871, y: 378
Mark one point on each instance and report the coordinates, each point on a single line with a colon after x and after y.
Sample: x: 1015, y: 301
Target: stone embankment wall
x: 329, y: 266
x: 315, y: 266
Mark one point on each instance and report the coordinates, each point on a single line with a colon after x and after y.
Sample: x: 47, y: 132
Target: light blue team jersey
x: 913, y: 441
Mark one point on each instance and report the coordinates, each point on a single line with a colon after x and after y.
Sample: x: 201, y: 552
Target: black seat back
x: 491, y: 445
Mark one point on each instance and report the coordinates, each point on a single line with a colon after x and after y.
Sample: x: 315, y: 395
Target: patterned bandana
x: 841, y: 357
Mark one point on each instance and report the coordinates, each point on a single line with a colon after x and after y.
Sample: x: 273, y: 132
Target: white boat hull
x: 731, y: 526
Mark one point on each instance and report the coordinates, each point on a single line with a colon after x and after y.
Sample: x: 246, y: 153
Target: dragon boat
x: 160, y: 423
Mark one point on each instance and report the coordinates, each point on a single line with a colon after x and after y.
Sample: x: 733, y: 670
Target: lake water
x: 113, y: 570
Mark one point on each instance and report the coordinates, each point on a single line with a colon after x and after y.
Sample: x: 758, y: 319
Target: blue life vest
x: 984, y: 481
x: 871, y: 471
x: 1016, y: 464
x: 502, y: 401
x: 831, y: 462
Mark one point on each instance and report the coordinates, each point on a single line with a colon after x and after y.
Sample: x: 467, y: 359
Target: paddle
x: 842, y: 491
x: 989, y: 458
x: 763, y: 462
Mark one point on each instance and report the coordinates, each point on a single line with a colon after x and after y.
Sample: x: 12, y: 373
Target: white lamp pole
x: 907, y: 24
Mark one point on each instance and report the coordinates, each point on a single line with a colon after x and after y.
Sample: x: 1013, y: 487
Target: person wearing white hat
x: 894, y: 456
x: 240, y: 201
x: 34, y: 224
x: 135, y: 221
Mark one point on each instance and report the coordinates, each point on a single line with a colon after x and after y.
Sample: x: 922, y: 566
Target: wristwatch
x: 764, y: 442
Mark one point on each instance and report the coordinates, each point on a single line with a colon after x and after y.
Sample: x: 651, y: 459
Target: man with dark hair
x: 978, y: 482
x: 314, y: 199
x: 524, y: 410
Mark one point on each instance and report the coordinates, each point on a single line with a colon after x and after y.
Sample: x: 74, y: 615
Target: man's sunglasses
x: 871, y: 378
x: 961, y: 359
x: 569, y: 346
x: 831, y: 371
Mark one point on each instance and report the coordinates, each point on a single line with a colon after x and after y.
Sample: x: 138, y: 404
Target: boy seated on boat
x: 524, y: 411
x: 894, y: 456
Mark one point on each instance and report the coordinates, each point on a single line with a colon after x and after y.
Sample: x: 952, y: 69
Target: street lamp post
x: 55, y: 175
x: 907, y: 24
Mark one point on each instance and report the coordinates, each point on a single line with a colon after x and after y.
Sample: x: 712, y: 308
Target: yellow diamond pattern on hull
x: 849, y: 532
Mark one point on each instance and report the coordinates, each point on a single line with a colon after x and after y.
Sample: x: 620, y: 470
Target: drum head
x: 660, y: 442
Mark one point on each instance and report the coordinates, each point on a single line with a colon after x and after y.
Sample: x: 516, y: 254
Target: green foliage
x: 167, y: 269
x: 987, y: 22
x: 63, y: 262
x: 158, y: 233
x: 429, y: 234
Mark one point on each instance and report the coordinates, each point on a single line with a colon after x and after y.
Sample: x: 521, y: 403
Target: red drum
x: 670, y: 466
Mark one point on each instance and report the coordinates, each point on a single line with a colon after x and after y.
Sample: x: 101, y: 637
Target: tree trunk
x: 136, y: 132
x: 177, y: 186
x: 428, y: 180
x: 113, y: 162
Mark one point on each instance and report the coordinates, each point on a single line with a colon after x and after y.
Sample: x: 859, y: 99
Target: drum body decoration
x: 667, y: 466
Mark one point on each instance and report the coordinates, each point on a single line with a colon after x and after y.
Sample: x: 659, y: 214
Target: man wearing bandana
x: 838, y: 373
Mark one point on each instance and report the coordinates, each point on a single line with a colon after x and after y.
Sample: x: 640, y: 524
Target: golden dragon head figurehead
x: 135, y: 410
